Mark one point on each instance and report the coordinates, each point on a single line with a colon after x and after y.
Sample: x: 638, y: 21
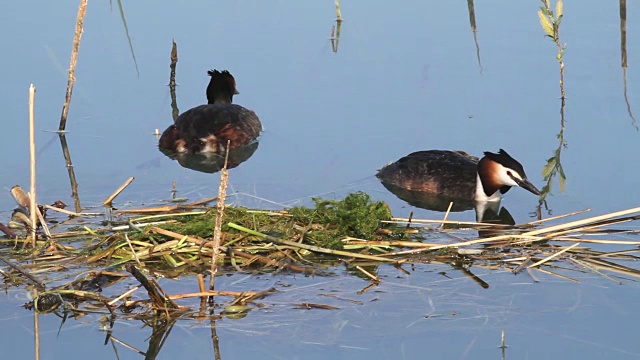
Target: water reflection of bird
x: 457, y: 175
x: 207, y: 128
x: 213, y: 162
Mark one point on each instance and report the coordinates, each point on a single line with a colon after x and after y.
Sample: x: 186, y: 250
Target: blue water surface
x: 406, y: 77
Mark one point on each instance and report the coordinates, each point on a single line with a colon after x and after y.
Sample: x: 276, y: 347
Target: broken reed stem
x: 338, y: 12
x: 217, y: 230
x: 553, y: 256
x: 32, y: 162
x: 72, y: 65
x: 117, y: 192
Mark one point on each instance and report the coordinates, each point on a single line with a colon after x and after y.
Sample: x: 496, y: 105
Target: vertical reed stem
x: 32, y: 165
x: 72, y: 66
x: 217, y: 230
x: 172, y: 81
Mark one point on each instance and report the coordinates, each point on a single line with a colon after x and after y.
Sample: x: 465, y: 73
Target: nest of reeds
x: 177, y: 240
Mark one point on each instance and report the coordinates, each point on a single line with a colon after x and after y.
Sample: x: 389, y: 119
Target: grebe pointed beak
x: 236, y: 92
x: 526, y: 184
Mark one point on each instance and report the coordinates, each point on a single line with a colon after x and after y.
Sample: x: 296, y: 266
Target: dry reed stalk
x: 593, y: 241
x: 538, y: 263
x: 214, y: 293
x: 202, y: 242
x: 584, y: 221
x: 446, y: 215
x: 533, y: 235
x: 355, y: 241
x: 157, y: 296
x: 338, y: 12
x: 71, y: 213
x: 451, y: 222
x: 123, y: 295
x: 309, y: 247
x: 370, y: 275
x: 82, y: 9
x: 536, y: 222
x: 172, y: 87
x: 45, y: 227
x: 196, y: 204
x: 564, y: 277
x: 217, y: 230
x: 133, y: 252
x: 593, y: 269
x: 32, y: 163
x: 118, y: 191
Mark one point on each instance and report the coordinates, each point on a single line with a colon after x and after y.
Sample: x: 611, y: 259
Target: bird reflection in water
x: 213, y: 162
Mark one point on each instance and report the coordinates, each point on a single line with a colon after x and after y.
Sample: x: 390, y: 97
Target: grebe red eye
x: 509, y: 173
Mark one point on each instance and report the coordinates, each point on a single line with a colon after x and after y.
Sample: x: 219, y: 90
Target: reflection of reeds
x: 72, y: 174
x: 335, y: 36
x: 72, y: 66
x: 126, y: 31
x: 172, y: 81
x: 474, y: 29
x: 550, y: 21
x: 623, y: 55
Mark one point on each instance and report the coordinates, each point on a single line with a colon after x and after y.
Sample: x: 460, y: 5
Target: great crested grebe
x: 206, y: 128
x: 457, y: 175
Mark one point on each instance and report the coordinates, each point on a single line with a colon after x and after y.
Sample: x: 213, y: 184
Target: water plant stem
x: 82, y: 9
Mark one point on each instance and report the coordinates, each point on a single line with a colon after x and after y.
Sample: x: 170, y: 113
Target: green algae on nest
x: 356, y: 216
x: 324, y: 225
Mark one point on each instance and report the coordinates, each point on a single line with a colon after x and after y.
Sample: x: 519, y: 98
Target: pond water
x: 405, y: 77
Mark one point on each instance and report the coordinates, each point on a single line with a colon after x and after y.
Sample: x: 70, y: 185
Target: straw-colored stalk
x: 446, y: 215
x: 217, y: 230
x: 118, y: 191
x: 32, y: 162
x: 338, y: 12
x: 82, y: 9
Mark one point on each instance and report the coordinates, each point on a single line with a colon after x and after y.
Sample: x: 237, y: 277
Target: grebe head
x: 221, y: 88
x: 499, y: 172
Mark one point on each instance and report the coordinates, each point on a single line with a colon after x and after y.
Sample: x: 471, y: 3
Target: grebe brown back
x: 207, y: 128
x: 457, y: 175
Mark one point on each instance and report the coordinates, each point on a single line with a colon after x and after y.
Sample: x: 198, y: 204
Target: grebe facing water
x: 457, y: 175
x: 206, y: 128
